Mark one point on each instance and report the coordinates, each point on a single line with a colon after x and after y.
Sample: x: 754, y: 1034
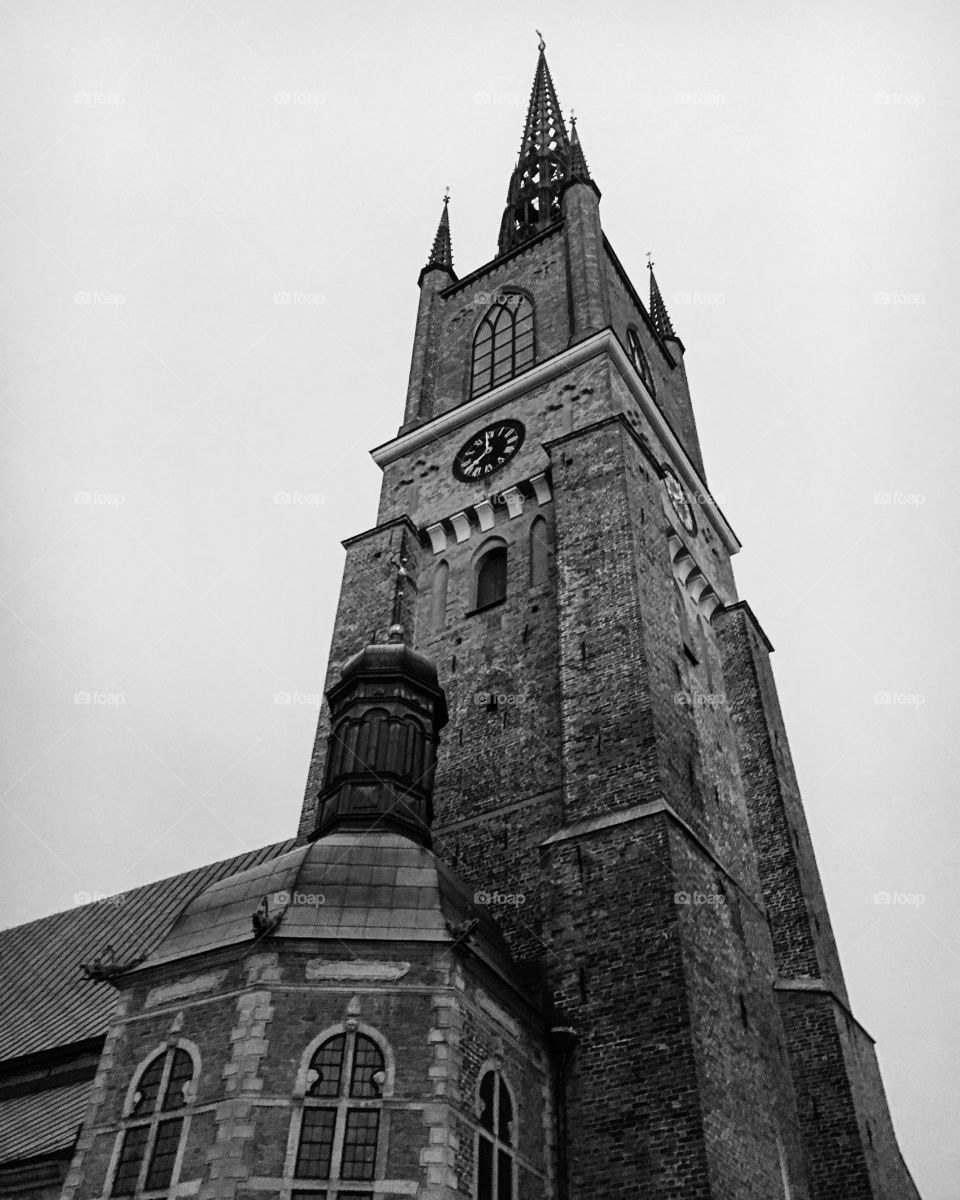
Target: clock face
x: 487, y: 451
x: 678, y: 498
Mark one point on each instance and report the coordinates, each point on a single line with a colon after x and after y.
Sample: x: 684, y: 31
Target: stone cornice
x: 819, y: 987
x: 640, y: 812
x: 605, y: 341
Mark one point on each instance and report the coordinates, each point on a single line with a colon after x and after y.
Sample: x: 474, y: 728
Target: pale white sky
x: 168, y: 168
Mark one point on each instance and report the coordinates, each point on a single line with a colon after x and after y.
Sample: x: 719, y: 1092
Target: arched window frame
x: 336, y: 1187
x: 639, y: 359
x: 504, y: 342
x: 481, y: 562
x: 162, y: 1114
x: 493, y: 1138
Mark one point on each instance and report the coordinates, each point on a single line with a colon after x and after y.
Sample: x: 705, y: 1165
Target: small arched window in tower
x: 340, y: 1128
x: 503, y: 343
x: 539, y: 551
x: 495, y: 1140
x: 639, y: 359
x: 492, y: 577
x: 438, y: 596
x: 154, y: 1125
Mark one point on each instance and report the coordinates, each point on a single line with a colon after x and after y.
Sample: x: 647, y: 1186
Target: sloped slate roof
x: 45, y: 1123
x: 44, y: 999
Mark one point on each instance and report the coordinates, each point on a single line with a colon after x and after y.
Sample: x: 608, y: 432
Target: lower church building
x: 551, y: 926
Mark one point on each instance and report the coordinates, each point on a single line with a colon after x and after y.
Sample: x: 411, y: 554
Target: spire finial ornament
x: 543, y: 45
x: 397, y: 630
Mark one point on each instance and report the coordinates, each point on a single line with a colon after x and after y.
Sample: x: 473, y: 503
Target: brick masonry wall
x: 683, y: 1079
x: 251, y: 1019
x: 793, y: 895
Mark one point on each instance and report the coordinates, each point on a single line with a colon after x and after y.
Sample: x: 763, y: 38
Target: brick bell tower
x: 615, y: 773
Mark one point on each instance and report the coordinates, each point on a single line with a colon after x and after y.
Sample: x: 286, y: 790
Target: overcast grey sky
x: 169, y: 169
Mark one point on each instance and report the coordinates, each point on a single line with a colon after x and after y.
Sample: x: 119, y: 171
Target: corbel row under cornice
x: 605, y: 341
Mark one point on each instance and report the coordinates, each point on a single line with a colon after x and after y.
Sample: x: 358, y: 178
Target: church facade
x: 551, y: 927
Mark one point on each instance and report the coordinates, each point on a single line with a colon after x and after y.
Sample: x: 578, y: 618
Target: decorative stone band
x: 482, y: 515
x: 690, y: 576
x: 603, y: 342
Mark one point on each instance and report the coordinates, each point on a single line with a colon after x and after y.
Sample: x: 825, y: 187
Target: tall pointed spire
x: 533, y: 197
x: 442, y: 253
x: 578, y: 164
x: 658, y: 310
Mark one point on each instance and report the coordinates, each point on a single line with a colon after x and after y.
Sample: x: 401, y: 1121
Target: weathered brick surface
x: 251, y: 1029
x: 615, y: 776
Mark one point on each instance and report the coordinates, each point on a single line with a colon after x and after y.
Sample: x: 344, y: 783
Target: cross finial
x: 649, y: 260
x: 446, y: 196
x: 543, y: 44
x: 573, y: 119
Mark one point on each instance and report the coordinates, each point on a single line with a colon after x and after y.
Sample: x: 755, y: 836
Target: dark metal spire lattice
x: 658, y: 310
x: 543, y: 165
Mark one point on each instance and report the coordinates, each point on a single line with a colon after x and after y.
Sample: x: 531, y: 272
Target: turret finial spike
x: 543, y: 45
x: 441, y: 254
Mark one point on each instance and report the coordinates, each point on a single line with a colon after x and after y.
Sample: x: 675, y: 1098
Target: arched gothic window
x: 492, y: 577
x: 496, y: 1144
x: 503, y: 343
x: 639, y: 359
x: 154, y: 1125
x: 340, y: 1130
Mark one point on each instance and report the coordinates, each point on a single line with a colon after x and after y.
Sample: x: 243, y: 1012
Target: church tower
x: 552, y: 927
x: 615, y: 779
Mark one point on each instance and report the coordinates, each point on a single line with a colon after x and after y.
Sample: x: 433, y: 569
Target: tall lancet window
x: 639, y: 359
x: 154, y: 1125
x: 340, y: 1139
x: 496, y: 1144
x: 503, y: 343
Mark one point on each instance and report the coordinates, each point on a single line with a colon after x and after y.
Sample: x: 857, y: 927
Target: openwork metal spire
x: 658, y: 310
x: 543, y: 166
x: 442, y: 253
